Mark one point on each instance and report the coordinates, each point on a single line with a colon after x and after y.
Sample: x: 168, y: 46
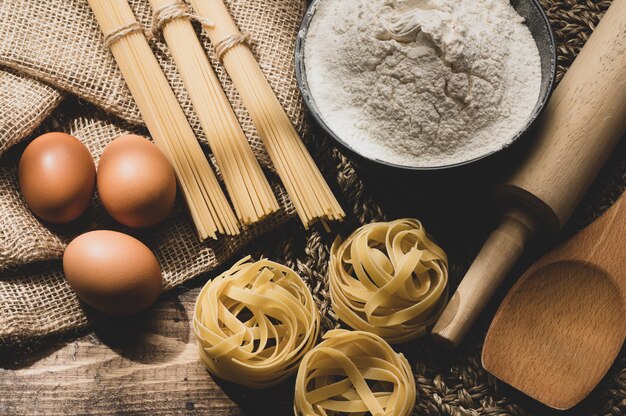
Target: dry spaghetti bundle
x: 306, y: 186
x: 164, y: 118
x: 389, y: 278
x: 247, y: 186
x: 354, y: 373
x: 255, y: 322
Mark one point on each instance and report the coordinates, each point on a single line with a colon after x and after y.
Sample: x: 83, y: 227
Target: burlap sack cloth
x: 55, y: 74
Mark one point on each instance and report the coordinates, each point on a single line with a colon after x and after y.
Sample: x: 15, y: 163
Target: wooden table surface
x: 147, y: 364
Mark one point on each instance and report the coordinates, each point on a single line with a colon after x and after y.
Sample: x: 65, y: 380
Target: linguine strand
x: 307, y: 188
x: 207, y: 204
x: 248, y: 188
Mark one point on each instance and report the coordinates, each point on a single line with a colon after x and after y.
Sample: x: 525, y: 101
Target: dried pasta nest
x: 255, y: 322
x: 354, y: 372
x: 390, y: 279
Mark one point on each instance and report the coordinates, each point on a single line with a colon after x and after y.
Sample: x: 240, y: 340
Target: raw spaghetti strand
x: 248, y: 188
x: 255, y: 322
x: 165, y: 120
x: 307, y: 188
x: 389, y: 278
x: 354, y: 372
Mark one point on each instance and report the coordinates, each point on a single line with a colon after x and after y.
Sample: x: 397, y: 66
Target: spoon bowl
x: 561, y: 326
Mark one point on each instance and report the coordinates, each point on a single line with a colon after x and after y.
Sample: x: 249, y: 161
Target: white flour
x: 422, y: 82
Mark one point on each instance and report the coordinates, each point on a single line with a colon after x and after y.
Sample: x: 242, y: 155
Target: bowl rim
x: 301, y: 78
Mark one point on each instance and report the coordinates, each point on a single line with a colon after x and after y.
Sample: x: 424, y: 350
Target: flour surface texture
x: 422, y: 82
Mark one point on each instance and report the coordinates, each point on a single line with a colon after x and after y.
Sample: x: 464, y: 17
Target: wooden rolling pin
x: 581, y: 125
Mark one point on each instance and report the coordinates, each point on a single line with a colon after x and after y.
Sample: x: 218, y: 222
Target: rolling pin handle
x: 501, y: 251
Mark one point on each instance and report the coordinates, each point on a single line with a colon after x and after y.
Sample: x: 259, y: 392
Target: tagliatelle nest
x: 354, y: 372
x: 255, y: 322
x: 390, y: 279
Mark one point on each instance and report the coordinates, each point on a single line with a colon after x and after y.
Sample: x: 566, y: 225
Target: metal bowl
x: 539, y: 27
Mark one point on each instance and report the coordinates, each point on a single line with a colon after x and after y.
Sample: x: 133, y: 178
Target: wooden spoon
x: 561, y: 326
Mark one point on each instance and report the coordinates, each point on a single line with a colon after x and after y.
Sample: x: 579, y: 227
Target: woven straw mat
x: 55, y: 74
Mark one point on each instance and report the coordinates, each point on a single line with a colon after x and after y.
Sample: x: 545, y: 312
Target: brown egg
x: 136, y: 182
x: 57, y: 177
x: 112, y: 272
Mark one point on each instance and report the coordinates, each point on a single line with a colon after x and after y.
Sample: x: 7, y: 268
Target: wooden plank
x: 142, y: 365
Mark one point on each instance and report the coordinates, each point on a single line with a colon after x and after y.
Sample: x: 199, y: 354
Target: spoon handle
x: 602, y: 244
